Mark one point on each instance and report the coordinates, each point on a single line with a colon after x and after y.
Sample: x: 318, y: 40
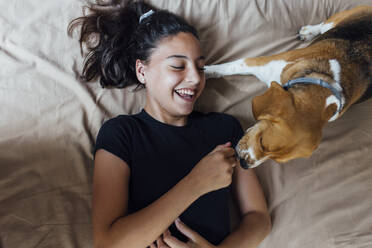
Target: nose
x: 194, y: 74
x: 243, y: 164
x: 246, y: 159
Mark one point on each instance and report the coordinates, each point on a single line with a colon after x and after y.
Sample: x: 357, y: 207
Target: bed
x: 49, y: 121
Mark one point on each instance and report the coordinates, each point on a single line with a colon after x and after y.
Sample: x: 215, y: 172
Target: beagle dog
x: 308, y: 87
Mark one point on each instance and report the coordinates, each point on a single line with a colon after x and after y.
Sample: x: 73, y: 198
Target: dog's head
x: 283, y: 132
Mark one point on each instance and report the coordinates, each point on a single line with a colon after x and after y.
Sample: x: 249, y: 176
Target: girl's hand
x: 159, y: 243
x: 195, y: 240
x: 215, y: 170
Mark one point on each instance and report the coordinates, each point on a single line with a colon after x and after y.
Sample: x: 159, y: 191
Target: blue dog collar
x: 322, y: 83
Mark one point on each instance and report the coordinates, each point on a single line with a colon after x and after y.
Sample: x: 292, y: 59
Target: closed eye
x: 182, y: 67
x: 178, y: 67
x: 261, y: 144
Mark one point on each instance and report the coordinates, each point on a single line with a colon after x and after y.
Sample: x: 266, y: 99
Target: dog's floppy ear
x: 276, y: 101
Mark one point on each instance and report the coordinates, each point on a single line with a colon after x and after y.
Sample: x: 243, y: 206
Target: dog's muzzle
x: 243, y: 164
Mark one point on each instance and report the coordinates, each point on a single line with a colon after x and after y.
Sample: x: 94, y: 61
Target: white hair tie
x: 147, y: 14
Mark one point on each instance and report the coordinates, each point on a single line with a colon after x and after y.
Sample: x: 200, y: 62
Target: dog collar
x: 337, y: 93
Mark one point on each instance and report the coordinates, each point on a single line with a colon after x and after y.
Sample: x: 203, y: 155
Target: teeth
x: 185, y: 92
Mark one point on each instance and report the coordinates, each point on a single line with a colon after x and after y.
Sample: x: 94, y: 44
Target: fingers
x: 217, y: 148
x: 233, y: 161
x: 227, y: 153
x: 167, y: 240
x: 185, y: 230
x: 167, y: 232
x: 173, y: 242
x: 225, y: 149
x: 222, y: 146
x: 160, y: 243
x: 229, y: 156
x: 227, y: 144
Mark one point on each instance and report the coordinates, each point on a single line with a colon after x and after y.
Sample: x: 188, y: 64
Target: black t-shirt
x: 160, y: 155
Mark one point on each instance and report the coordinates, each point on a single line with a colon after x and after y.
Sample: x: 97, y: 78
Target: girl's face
x: 174, y: 78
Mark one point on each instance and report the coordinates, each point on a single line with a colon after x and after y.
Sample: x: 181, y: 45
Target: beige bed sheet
x: 49, y: 121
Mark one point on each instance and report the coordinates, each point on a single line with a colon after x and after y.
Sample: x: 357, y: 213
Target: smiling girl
x: 162, y: 177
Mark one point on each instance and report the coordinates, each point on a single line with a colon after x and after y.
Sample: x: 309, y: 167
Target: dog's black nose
x: 243, y: 164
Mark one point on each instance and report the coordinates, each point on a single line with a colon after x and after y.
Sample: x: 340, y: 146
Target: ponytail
x: 115, y: 38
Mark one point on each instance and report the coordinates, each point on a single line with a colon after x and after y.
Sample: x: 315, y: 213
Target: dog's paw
x: 211, y: 72
x: 309, y: 32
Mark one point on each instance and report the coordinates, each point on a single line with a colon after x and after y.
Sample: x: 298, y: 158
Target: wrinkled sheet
x: 49, y: 121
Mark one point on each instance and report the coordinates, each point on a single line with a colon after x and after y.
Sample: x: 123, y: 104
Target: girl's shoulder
x: 116, y: 136
x: 122, y: 121
x: 119, y: 126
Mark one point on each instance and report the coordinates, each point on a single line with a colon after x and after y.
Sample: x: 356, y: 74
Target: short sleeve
x: 115, y: 137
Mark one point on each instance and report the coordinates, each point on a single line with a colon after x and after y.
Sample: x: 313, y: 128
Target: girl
x: 162, y: 176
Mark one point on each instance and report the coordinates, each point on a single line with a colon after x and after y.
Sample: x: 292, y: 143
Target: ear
x: 275, y: 102
x: 140, y: 71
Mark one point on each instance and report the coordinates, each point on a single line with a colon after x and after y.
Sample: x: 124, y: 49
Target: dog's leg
x: 309, y: 32
x: 267, y: 71
x: 265, y: 68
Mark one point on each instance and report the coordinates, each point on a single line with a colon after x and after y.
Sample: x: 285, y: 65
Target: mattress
x: 49, y: 121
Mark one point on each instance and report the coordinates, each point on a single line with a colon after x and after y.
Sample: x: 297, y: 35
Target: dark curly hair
x: 114, y: 38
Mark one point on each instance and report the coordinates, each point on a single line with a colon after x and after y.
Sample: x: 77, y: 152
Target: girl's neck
x: 165, y: 117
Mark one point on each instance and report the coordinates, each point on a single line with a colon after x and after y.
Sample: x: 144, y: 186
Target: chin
x: 185, y: 110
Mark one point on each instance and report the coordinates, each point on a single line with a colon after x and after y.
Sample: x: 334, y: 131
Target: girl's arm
x: 255, y: 222
x: 113, y: 228
x: 110, y: 202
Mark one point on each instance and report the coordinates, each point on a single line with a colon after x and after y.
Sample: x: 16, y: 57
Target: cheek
x: 162, y: 82
x: 172, y: 79
x: 169, y: 77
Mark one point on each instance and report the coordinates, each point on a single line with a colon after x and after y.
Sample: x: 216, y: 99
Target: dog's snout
x: 246, y: 159
x: 243, y: 160
x: 243, y: 164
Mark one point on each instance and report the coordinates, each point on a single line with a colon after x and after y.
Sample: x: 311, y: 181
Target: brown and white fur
x: 289, y: 122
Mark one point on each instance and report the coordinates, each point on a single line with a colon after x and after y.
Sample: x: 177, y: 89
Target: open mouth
x: 186, y: 94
